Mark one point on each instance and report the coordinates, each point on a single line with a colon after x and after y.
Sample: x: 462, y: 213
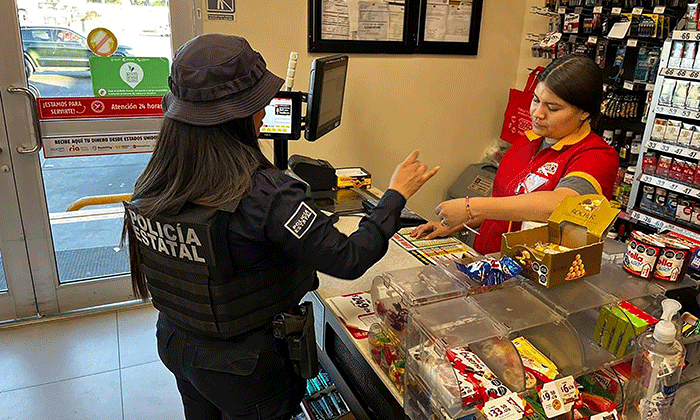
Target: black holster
x: 297, y: 329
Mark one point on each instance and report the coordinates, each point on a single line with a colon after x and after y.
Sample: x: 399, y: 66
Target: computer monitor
x: 326, y: 93
x: 283, y: 117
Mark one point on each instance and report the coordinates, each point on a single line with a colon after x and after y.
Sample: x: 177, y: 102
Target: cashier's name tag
x: 508, y: 407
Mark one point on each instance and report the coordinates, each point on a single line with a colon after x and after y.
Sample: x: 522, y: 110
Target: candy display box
x: 569, y: 247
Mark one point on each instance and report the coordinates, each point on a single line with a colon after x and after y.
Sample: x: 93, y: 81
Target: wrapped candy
x: 491, y: 272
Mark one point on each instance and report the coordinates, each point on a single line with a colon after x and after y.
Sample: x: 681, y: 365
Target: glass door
x: 80, y: 84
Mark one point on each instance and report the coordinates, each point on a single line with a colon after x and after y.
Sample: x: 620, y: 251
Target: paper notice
x: 335, y: 20
x: 397, y: 11
x: 373, y: 21
x: 458, y: 22
x: 436, y: 20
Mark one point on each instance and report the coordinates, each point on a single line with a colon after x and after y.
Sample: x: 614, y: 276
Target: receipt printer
x: 318, y: 173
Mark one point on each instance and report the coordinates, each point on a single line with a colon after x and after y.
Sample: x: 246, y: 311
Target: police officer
x: 223, y: 241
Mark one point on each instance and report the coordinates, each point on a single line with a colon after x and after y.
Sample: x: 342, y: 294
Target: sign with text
x: 112, y: 144
x: 129, y: 76
x: 71, y: 108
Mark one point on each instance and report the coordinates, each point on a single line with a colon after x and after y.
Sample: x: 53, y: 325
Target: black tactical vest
x: 193, y: 281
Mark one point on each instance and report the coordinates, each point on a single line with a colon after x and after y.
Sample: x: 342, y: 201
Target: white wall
x: 448, y: 107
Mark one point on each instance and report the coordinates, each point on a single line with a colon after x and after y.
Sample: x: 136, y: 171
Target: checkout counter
x: 370, y: 393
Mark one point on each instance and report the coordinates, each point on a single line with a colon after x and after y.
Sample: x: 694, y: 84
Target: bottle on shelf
x: 635, y: 149
x: 618, y: 139
x: 625, y: 146
x: 626, y: 186
x: 656, y: 370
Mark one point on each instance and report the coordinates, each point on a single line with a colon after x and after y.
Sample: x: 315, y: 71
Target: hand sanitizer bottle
x: 656, y: 370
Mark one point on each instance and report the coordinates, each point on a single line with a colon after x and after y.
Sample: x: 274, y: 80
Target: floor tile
x: 149, y: 392
x: 86, y: 398
x: 137, y: 336
x: 58, y: 350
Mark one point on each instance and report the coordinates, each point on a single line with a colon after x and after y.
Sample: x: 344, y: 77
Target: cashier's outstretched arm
x: 536, y: 206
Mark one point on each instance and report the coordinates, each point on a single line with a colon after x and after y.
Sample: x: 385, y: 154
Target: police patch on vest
x: 184, y: 241
x: 301, y: 220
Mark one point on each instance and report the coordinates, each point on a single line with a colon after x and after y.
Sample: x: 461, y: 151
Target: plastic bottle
x: 656, y: 370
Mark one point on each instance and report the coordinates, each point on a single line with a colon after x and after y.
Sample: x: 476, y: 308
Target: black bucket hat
x: 217, y: 78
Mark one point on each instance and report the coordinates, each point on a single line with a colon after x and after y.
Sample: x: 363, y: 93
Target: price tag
x: 552, y: 401
x: 652, y: 145
x: 678, y: 150
x: 609, y: 415
x: 569, y: 390
x: 592, y: 39
x: 659, y: 9
x: 692, y: 153
x: 632, y: 42
x: 646, y: 179
x: 616, y: 11
x: 628, y: 85
x: 508, y: 407
x: 598, y: 9
x: 665, y: 147
x: 687, y: 190
x: 637, y: 11
x: 562, y: 10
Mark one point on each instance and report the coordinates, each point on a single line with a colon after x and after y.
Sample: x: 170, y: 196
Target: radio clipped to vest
x: 297, y: 329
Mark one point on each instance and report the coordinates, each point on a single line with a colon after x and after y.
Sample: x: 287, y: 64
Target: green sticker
x: 129, y: 76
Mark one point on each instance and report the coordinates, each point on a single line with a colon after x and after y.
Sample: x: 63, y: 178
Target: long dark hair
x: 577, y: 80
x: 209, y: 166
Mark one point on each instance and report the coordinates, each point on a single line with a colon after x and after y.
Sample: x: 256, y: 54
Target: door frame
x: 26, y: 243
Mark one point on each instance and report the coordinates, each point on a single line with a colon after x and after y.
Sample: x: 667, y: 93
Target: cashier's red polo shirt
x: 525, y: 169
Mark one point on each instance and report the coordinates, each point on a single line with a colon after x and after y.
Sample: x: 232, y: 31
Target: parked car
x: 53, y: 48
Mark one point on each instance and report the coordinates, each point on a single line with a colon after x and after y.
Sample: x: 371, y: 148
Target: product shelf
x: 691, y: 74
x: 671, y: 185
x: 675, y: 149
x: 661, y: 224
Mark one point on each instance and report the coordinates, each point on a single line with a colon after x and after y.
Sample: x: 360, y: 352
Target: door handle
x: 35, y: 117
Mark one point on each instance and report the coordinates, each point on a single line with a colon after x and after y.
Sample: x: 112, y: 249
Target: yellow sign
x: 102, y: 42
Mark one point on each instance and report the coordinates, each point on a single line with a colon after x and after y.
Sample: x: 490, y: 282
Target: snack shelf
x: 675, y: 149
x: 677, y: 112
x: 661, y: 224
x: 690, y: 74
x: 670, y: 185
x: 686, y: 35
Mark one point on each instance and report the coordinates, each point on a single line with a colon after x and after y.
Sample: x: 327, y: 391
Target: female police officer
x: 560, y: 157
x: 223, y: 241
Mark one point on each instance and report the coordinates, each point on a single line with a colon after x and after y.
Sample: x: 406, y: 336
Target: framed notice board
x: 395, y: 26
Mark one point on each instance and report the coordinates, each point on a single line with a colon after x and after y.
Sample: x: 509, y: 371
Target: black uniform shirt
x: 277, y: 223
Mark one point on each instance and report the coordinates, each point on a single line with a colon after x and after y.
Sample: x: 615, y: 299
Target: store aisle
x: 102, y: 366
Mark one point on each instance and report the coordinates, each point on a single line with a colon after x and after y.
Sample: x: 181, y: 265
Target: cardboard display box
x: 579, y: 223
x: 353, y: 178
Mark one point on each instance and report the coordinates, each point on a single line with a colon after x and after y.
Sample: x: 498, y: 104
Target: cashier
x: 560, y: 157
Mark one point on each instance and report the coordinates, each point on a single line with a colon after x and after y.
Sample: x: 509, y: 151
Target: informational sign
x: 356, y: 312
x: 278, y: 117
x: 129, y: 76
x: 72, y: 108
x: 99, y: 145
x: 102, y: 42
x: 221, y: 10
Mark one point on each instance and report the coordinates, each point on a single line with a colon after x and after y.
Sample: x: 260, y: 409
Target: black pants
x: 248, y: 377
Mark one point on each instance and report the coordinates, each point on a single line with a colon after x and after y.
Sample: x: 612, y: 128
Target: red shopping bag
x: 517, y: 116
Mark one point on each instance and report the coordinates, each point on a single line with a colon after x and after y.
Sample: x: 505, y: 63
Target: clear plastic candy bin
x: 446, y: 339
x: 394, y: 293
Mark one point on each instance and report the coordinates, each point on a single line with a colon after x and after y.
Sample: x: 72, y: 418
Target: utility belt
x: 297, y: 329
